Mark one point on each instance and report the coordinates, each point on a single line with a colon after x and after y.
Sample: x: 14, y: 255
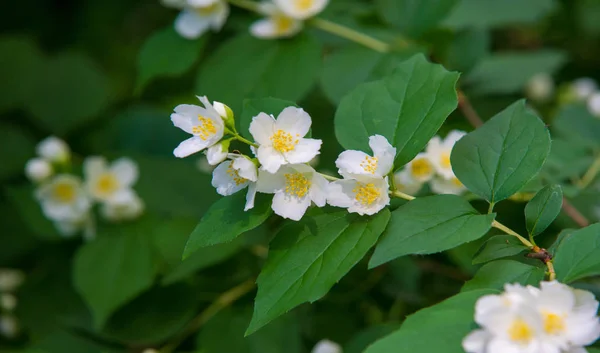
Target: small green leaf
x: 166, y: 54
x: 113, y: 269
x: 494, y: 275
x: 575, y: 122
x: 543, y: 209
x: 308, y: 257
x: 498, y: 246
x: 226, y: 219
x: 439, y: 328
x: 503, y: 155
x: 407, y: 107
x: 428, y: 225
x: 414, y: 18
x: 252, y: 107
x: 247, y: 67
x: 578, y: 254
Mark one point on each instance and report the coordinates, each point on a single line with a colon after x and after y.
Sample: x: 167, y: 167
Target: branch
x: 468, y: 111
x: 574, y: 213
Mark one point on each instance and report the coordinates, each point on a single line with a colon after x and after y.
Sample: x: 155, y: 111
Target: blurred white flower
x: 593, y: 104
x: 439, y: 151
x: 327, y: 346
x: 234, y: 175
x: 276, y: 25
x: 405, y: 183
x: 112, y: 184
x: 353, y: 163
x: 9, y: 327
x: 121, y: 210
x: 54, y: 150
x: 10, y: 279
x: 295, y: 186
x: 204, y: 123
x: 540, y: 87
x: 63, y: 198
x: 365, y: 195
x: 421, y: 168
x: 301, y: 9
x: 203, y: 165
x: 38, y: 169
x: 78, y: 222
x: 447, y: 186
x: 583, y: 88
x: 282, y: 141
x: 199, y: 16
x: 8, y: 302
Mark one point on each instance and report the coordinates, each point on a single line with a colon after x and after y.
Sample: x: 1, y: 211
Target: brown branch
x: 574, y: 213
x: 468, y: 111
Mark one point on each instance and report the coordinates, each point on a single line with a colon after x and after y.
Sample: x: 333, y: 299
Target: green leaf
x: 578, y: 254
x: 363, y: 339
x: 575, y: 122
x: 428, y: 225
x: 247, y: 67
x: 494, y: 275
x: 22, y: 199
x: 252, y: 107
x: 491, y: 13
x: 440, y: 328
x: 500, y: 157
x: 467, y: 48
x: 113, y: 269
x: 226, y: 219
x: 166, y: 54
x: 543, y: 209
x: 69, y: 92
x: 498, y: 246
x: 308, y: 257
x: 16, y: 147
x: 505, y: 73
x: 407, y: 107
x: 414, y: 18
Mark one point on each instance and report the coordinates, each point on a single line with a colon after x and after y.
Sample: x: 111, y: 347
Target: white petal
x: 275, y: 27
x: 264, y: 29
x: 556, y: 297
x: 447, y: 186
x: 250, y: 196
x: 301, y: 10
x: 202, y: 3
x: 453, y: 137
x: 327, y: 346
x: 93, y: 166
x: 497, y: 345
x: 405, y: 183
x: 219, y: 17
x: 123, y: 196
x: 220, y: 108
x: 126, y: 171
x: 215, y: 154
x: 476, y: 341
x: 340, y: 194
x: 305, y: 151
x: 290, y: 207
x: 224, y: 182
x: 319, y: 190
x: 38, y: 169
x: 384, y: 152
x: 377, y: 205
x: 53, y: 149
x: 271, y: 183
x: 191, y: 26
x: 294, y: 121
x: 421, y: 168
x: 270, y: 159
x: 185, y: 115
x: 584, y: 87
x: 190, y: 146
x: 585, y: 302
x: 245, y: 167
x: 262, y: 128
x: 349, y: 163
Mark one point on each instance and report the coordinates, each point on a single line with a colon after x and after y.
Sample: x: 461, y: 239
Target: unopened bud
x: 540, y: 87
x: 54, y: 149
x: 8, y: 302
x: 218, y: 153
x: 583, y: 88
x: 10, y: 279
x: 9, y: 327
x: 593, y: 104
x: 38, y: 169
x: 326, y: 346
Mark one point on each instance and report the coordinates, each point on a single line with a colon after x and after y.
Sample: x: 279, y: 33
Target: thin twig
x: 468, y: 111
x: 509, y: 231
x: 574, y: 213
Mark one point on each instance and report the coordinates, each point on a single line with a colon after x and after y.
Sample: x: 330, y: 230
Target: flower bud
x: 54, y: 149
x: 8, y: 302
x: 226, y: 113
x: 593, y: 104
x: 326, y: 346
x: 540, y: 87
x: 218, y: 153
x: 9, y: 327
x: 10, y: 279
x: 584, y: 87
x: 38, y: 169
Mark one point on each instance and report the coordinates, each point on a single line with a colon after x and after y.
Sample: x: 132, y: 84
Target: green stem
x: 329, y: 177
x: 509, y: 231
x: 350, y: 34
x: 590, y: 174
x: 402, y: 195
x: 244, y: 140
x: 491, y: 208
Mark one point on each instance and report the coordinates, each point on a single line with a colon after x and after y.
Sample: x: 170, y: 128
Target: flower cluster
x: 540, y: 88
x: 433, y: 167
x: 10, y: 281
x: 67, y: 200
x: 554, y: 318
x: 284, y: 18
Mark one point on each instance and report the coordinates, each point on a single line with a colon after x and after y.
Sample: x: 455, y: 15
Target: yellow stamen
x: 296, y: 184
x: 366, y: 194
x: 206, y: 128
x: 553, y: 324
x: 445, y: 160
x: 64, y: 193
x: 421, y: 168
x: 107, y: 184
x: 283, y: 24
x: 304, y: 5
x: 369, y: 164
x: 235, y: 175
x: 207, y: 10
x: 284, y: 141
x: 520, y: 331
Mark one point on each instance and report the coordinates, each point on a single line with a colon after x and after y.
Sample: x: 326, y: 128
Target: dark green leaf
x: 543, y: 209
x: 467, y: 48
x: 23, y: 201
x: 428, y: 225
x: 577, y: 123
x: 252, y: 107
x: 308, y: 257
x: 500, y: 157
x: 494, y: 275
x: 498, y: 246
x: 414, y: 18
x: 407, y: 107
x: 363, y: 339
x: 16, y: 147
x: 578, y: 255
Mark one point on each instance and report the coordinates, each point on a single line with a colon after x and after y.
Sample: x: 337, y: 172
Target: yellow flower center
x: 64, y: 192
x: 553, y: 324
x: 283, y: 24
x: 296, y: 184
x: 235, y: 175
x: 206, y: 128
x: 284, y: 141
x: 445, y: 160
x: 520, y: 331
x: 369, y: 164
x: 107, y: 184
x: 207, y: 10
x: 421, y: 168
x: 304, y: 4
x: 366, y: 194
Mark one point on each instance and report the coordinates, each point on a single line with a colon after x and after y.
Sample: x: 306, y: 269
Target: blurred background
x: 104, y: 76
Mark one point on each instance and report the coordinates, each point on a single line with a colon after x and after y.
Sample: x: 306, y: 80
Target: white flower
x: 295, y: 186
x: 365, y: 196
x: 217, y: 153
x: 421, y: 168
x: 327, y: 346
x: 110, y: 183
x: 63, y: 198
x: 130, y: 208
x: 73, y: 225
x: 54, y: 150
x: 593, y: 104
x: 301, y: 9
x: 199, y: 16
x: 405, y: 183
x: 9, y: 327
x: 540, y: 87
x: 276, y: 25
x: 584, y: 87
x: 356, y: 163
x: 282, y: 141
x: 8, y: 302
x: 10, y: 279
x: 204, y: 123
x: 234, y: 175
x: 439, y: 151
x: 447, y: 186
x: 38, y: 169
